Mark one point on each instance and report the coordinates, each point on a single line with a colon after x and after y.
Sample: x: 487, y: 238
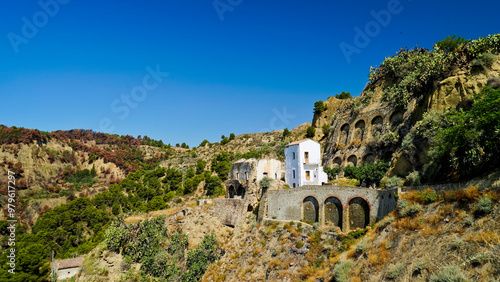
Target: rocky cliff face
x: 367, y: 129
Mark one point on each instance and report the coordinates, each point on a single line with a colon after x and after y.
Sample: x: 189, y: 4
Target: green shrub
x: 394, y: 181
x: 484, y: 60
x: 419, y: 266
x: 429, y: 196
x: 342, y: 270
x: 286, y: 132
x: 368, y: 173
x: 331, y: 172
x: 469, y: 220
x: 224, y: 141
x: 413, y: 178
x: 265, y: 182
x: 484, y: 205
x: 360, y: 247
x: 325, y: 128
x: 449, y: 44
x: 343, y: 95
x: 456, y: 244
x: 200, y: 257
x: 82, y: 178
x: 450, y: 273
x: 396, y: 271
x: 407, y: 208
x: 310, y: 132
x: 203, y: 143
x: 299, y: 244
x: 319, y: 107
x: 465, y: 144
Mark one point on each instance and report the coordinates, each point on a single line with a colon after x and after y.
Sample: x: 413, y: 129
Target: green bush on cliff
x: 412, y: 72
x: 311, y: 132
x: 319, y: 107
x: 466, y: 144
x: 450, y: 43
x: 367, y: 173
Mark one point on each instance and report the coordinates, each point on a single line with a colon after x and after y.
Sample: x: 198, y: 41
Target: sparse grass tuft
x: 450, y: 273
x: 396, y: 271
x: 457, y: 244
x: 342, y: 270
x: 407, y: 208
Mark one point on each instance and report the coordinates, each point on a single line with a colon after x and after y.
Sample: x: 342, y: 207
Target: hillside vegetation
x: 129, y: 204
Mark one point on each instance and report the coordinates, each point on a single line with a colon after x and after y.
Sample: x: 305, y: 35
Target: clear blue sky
x: 234, y: 65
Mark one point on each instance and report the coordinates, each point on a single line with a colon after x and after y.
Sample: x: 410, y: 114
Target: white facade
x: 67, y: 273
x: 303, y: 164
x: 254, y: 170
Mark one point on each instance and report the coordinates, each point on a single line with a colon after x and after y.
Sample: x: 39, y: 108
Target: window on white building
x: 293, y: 173
x: 293, y: 185
x: 306, y: 156
x: 293, y: 154
x: 308, y: 175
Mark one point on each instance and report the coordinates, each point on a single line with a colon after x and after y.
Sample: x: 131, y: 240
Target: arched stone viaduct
x: 346, y: 207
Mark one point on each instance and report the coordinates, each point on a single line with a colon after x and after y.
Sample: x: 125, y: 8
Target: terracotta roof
x: 69, y: 263
x: 300, y: 141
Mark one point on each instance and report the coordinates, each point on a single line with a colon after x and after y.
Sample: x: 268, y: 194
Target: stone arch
x: 232, y: 191
x: 310, y: 208
x: 377, y: 126
x: 337, y: 162
x: 352, y: 159
x: 240, y: 192
x: 333, y: 211
x: 344, y: 133
x: 359, y: 213
x: 396, y: 119
x: 359, y: 130
x: 369, y: 158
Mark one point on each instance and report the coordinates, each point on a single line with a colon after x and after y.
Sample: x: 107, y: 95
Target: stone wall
x: 345, y: 207
x: 230, y: 211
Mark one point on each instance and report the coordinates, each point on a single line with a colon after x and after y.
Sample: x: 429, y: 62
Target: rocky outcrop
x: 374, y: 131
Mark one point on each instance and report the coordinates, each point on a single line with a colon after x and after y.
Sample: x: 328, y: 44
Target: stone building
x: 68, y: 268
x: 303, y: 164
x: 243, y: 193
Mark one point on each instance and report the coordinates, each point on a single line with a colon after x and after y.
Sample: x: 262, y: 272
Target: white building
x: 68, y: 268
x: 303, y: 164
x: 254, y: 170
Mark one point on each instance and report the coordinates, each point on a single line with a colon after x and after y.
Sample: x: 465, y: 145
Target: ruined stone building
x: 303, y: 164
x: 243, y: 193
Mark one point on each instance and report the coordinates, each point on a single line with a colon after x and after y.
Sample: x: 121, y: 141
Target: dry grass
x: 342, y: 181
x: 409, y: 223
x: 484, y: 237
x: 256, y: 251
x: 378, y: 257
